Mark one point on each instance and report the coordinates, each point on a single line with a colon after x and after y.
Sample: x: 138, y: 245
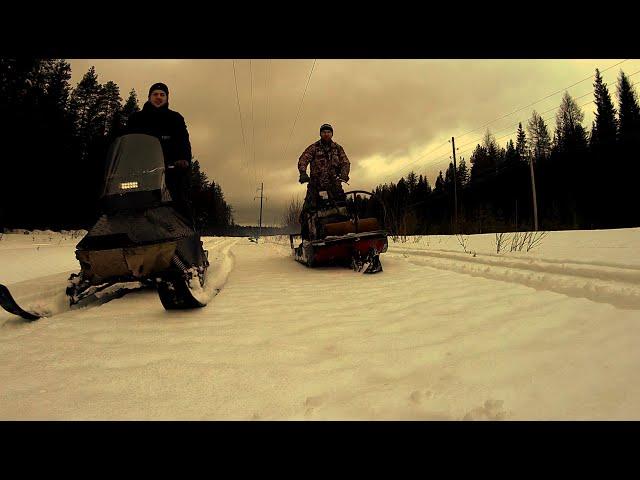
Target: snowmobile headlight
x: 128, y: 185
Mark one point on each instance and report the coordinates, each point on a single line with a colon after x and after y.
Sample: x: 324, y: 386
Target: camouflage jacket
x: 326, y: 162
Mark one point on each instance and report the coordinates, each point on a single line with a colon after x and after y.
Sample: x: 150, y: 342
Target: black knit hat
x: 326, y: 126
x: 159, y: 86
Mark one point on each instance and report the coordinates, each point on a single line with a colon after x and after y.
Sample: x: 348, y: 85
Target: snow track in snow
x: 283, y: 341
x: 616, y: 285
x: 221, y: 261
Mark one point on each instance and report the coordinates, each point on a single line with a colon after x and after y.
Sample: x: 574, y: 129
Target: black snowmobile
x: 342, y: 231
x: 139, y: 237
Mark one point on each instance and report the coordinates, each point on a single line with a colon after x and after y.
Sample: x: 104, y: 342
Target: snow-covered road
x: 439, y: 334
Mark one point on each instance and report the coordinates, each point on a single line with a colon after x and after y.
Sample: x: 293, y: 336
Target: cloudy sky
x: 391, y: 116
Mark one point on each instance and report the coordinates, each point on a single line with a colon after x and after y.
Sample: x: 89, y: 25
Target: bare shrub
x: 530, y: 240
x: 291, y: 217
x: 535, y: 239
x: 462, y: 240
x: 501, y: 240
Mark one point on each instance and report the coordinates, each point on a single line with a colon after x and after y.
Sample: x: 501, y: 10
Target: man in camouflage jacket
x: 329, y: 167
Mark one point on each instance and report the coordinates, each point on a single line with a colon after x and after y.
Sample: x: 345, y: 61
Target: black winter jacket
x: 168, y: 126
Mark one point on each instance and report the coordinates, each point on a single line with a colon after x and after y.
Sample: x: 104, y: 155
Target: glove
x: 344, y: 179
x: 304, y: 178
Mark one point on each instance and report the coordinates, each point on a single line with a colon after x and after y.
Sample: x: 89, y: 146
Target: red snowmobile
x: 342, y: 232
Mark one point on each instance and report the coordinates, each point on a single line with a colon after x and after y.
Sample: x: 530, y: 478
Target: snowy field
x: 441, y: 334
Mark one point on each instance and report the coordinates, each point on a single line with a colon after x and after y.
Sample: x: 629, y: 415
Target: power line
x: 538, y: 101
x: 494, y: 172
x: 299, y: 109
x: 504, y: 116
x: 550, y: 116
x: 421, y: 156
x: 266, y: 121
x: 475, y: 142
x: 253, y: 125
x: 235, y: 79
x: 541, y: 113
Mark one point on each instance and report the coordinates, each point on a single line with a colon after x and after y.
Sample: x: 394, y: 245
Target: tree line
x: 55, y: 141
x: 584, y: 178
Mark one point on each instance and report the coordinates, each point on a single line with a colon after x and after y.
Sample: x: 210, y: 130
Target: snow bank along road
x: 439, y: 334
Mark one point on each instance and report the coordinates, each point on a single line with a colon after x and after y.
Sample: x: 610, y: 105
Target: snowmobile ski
x: 93, y: 299
x: 10, y: 305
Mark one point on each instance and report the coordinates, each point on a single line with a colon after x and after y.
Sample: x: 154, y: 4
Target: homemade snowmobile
x: 139, y: 237
x: 335, y: 233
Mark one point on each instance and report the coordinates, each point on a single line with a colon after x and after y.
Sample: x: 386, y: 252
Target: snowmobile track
x: 616, y: 285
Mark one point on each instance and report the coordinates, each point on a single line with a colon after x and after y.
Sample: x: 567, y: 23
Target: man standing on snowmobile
x: 169, y: 127
x: 329, y: 168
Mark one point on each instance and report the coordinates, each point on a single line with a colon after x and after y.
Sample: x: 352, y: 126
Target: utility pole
x: 533, y: 189
x: 261, y: 197
x: 455, y: 185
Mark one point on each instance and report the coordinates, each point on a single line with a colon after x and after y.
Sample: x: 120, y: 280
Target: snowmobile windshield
x: 135, y: 163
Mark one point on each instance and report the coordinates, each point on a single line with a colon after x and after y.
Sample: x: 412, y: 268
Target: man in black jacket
x: 169, y: 127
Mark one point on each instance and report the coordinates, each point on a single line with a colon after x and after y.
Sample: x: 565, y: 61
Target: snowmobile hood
x: 135, y: 163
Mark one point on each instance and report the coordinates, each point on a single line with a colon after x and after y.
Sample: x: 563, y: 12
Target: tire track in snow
x: 617, y: 286
x: 587, y: 270
x: 519, y: 256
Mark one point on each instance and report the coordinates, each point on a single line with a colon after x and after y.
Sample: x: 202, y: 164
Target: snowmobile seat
x: 343, y: 228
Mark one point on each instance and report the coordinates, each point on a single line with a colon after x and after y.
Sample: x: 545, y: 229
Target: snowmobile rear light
x: 128, y: 185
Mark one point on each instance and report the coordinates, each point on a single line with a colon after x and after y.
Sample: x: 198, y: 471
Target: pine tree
x: 480, y: 162
x: 402, y: 191
x: 492, y: 148
x: 521, y: 143
x: 604, y: 131
x: 58, y: 140
x: 448, y: 178
x: 570, y: 134
x: 629, y: 115
x: 199, y: 181
x: 440, y: 184
x: 538, y: 137
x: 58, y: 75
x: 510, y: 154
x: 85, y: 108
x: 109, y: 108
x: 423, y: 189
x: 412, y: 181
x: 23, y: 125
x: 462, y: 175
x: 131, y: 106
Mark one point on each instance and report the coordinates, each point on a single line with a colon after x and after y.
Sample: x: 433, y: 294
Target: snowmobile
x: 333, y: 232
x: 139, y: 236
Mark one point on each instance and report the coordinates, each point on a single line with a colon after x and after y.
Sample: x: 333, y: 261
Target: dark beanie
x: 159, y: 86
x: 326, y: 126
